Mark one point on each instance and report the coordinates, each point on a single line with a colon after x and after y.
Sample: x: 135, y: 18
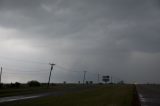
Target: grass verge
x: 112, y: 95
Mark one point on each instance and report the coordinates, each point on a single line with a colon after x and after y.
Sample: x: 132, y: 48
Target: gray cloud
x: 111, y: 37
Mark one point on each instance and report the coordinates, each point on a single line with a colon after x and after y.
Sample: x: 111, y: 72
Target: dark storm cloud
x: 104, y: 35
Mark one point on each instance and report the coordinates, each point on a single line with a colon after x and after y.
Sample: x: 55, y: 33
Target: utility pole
x: 111, y: 79
x: 1, y: 75
x: 98, y: 77
x: 84, y: 77
x: 50, y: 72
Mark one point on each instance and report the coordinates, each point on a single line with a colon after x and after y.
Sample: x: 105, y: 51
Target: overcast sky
x: 120, y: 38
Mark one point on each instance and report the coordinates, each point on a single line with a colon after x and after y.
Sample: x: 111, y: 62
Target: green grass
x: 113, y: 95
x: 22, y: 91
x: 32, y: 90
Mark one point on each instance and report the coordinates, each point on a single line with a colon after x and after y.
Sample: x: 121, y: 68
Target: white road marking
x: 142, y: 99
x: 14, y: 98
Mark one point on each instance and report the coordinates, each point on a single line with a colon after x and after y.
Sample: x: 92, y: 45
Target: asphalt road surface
x: 32, y: 96
x: 23, y: 97
x: 149, y: 95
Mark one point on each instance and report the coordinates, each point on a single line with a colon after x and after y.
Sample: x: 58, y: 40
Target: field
x: 110, y: 95
x: 32, y: 90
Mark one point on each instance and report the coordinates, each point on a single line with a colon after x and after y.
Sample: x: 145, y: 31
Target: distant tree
x: 87, y: 82
x: 53, y: 84
x: 64, y: 82
x: 17, y: 84
x: 33, y: 83
x: 12, y: 85
x: 100, y: 83
x: 90, y: 82
x: 121, y: 82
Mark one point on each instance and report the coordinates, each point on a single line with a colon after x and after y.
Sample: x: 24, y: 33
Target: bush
x: 87, y: 82
x: 90, y: 82
x: 64, y: 82
x: 33, y: 83
x: 17, y: 84
x: 121, y: 82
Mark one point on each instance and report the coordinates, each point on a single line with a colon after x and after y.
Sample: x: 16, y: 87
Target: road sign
x: 106, y: 78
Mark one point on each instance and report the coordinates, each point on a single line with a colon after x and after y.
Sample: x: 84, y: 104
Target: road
x: 31, y: 96
x: 149, y: 94
x: 23, y: 97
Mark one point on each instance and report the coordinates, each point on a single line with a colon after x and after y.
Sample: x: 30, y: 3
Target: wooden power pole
x: 1, y: 75
x: 50, y: 73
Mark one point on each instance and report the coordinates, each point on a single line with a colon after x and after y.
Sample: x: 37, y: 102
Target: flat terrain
x: 149, y: 94
x: 35, y: 90
x: 104, y: 95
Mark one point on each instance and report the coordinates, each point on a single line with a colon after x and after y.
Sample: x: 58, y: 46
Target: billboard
x: 106, y: 78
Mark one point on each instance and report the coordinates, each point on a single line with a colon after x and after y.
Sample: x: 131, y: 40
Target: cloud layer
x: 119, y: 38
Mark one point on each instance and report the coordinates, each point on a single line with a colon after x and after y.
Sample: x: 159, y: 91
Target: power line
x: 36, y: 62
x: 24, y: 61
x: 42, y: 70
x: 69, y: 70
x: 26, y: 70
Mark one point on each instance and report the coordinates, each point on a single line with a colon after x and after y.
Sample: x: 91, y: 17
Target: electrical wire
x: 24, y: 61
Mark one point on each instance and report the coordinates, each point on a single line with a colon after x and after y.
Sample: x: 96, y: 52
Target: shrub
x: 64, y: 82
x: 90, y: 82
x: 33, y: 83
x: 17, y: 84
x: 87, y: 82
x: 121, y: 82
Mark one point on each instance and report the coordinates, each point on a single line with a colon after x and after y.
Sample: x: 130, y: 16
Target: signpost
x: 106, y: 78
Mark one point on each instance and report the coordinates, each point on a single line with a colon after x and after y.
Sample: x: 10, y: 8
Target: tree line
x: 32, y: 83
